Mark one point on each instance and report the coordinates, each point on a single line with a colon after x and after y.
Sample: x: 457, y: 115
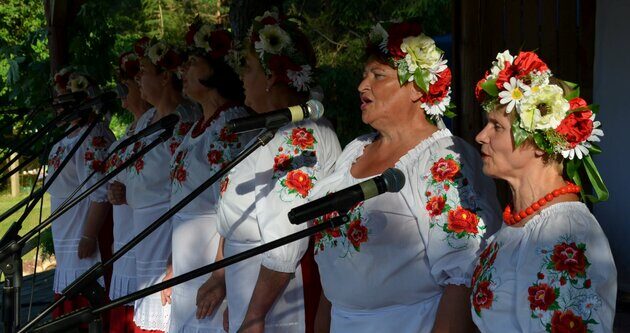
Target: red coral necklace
x: 511, y: 219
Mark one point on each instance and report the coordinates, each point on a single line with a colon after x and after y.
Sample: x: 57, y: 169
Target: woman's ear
x: 165, y: 78
x: 271, y: 81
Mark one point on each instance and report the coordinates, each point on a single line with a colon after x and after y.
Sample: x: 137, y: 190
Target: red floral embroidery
x: 226, y: 136
x: 99, y: 142
x: 98, y: 166
x: 139, y: 165
x: 224, y: 185
x: 89, y: 155
x: 303, y: 138
x: 483, y: 296
x: 173, y: 147
x: 184, y: 128
x: 567, y: 322
x: 299, y: 181
x: 541, y: 296
x: 357, y: 233
x: 462, y: 220
x: 180, y: 174
x: 435, y: 206
x: 214, y: 156
x: 569, y: 258
x: 282, y: 162
x: 445, y: 169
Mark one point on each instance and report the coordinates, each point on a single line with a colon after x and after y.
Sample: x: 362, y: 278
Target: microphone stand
x: 62, y: 324
x: 11, y: 252
x: 91, y: 275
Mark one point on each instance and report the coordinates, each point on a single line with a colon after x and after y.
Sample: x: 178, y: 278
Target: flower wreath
x: 128, y: 65
x: 418, y: 60
x: 70, y: 78
x: 162, y: 55
x: 558, y: 122
x: 274, y: 38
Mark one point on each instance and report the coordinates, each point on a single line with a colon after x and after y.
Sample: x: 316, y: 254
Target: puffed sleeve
x: 566, y: 277
x: 91, y: 158
x: 445, y: 184
x: 287, y: 171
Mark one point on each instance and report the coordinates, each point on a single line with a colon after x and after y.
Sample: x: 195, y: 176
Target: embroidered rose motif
x: 224, y: 185
x: 180, y: 174
x: 139, y: 165
x: 215, y: 156
x: 184, y: 128
x: 542, y: 296
x: 445, y: 169
x: 89, y: 155
x: 298, y: 181
x: 435, y: 206
x: 357, y: 234
x: 99, y: 142
x: 569, y: 258
x: 303, y: 138
x: 226, y: 136
x: 98, y: 166
x: 462, y: 220
x: 173, y: 147
x: 482, y: 297
x: 567, y: 322
x: 282, y: 162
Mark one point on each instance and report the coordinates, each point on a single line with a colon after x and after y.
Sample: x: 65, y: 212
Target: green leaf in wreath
x: 422, y: 78
x: 490, y: 87
x: 519, y: 134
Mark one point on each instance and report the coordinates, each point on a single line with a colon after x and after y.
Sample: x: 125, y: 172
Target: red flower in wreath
x: 214, y: 156
x: 99, y: 142
x: 435, y: 206
x: 89, y: 155
x: 569, y: 258
x: 299, y: 181
x: 226, y: 136
x: 577, y: 126
x: 527, y: 62
x: 357, y: 233
x: 541, y: 296
x: 139, y: 165
x: 462, y: 220
x: 397, y: 32
x: 220, y: 43
x: 438, y: 90
x: 302, y: 138
x: 280, y: 64
x: 483, y: 296
x: 567, y: 322
x: 445, y: 169
x: 282, y: 162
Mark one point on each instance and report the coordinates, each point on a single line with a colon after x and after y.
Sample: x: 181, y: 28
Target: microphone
x: 392, y: 180
x: 312, y: 109
x: 167, y: 122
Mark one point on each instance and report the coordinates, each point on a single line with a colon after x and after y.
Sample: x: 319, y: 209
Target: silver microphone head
x: 315, y: 109
x: 394, y: 179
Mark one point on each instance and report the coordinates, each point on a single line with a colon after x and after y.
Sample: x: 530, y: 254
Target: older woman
x: 210, y: 81
x: 549, y: 268
x: 265, y: 293
x: 75, y: 233
x: 147, y: 186
x: 124, y: 270
x: 404, y: 262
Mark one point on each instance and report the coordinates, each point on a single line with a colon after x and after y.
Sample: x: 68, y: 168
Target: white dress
x: 256, y: 197
x: 555, y: 274
x: 195, y: 239
x: 148, y: 191
x: 385, y: 271
x: 68, y: 228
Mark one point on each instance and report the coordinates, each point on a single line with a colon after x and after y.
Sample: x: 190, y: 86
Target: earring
x: 267, y: 89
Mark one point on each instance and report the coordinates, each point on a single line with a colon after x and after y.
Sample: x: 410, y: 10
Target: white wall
x: 612, y: 93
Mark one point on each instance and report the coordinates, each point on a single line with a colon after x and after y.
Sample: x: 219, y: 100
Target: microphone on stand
x: 312, y: 109
x: 167, y: 122
x: 392, y: 180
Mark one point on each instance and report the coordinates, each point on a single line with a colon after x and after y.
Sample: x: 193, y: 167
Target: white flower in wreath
x: 544, y: 109
x: 538, y: 78
x: 300, y: 79
x: 439, y: 108
x: 157, y: 51
x: 378, y: 35
x: 499, y: 64
x: 273, y: 39
x: 582, y: 148
x: 77, y: 82
x: 421, y: 53
x: 202, y: 36
x: 515, y: 92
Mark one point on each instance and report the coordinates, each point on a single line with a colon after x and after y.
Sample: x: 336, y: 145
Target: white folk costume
x: 203, y: 151
x: 256, y: 197
x: 68, y: 228
x: 555, y: 274
x: 148, y: 191
x: 385, y: 271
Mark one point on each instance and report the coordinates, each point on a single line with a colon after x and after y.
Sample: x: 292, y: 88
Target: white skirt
x: 285, y: 316
x: 195, y: 244
x: 413, y: 318
x: 124, y: 272
x: 151, y: 258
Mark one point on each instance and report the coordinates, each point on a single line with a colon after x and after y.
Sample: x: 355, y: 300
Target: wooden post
x: 15, y: 178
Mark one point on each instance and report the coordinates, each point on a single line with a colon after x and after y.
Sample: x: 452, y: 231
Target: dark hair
x: 224, y: 80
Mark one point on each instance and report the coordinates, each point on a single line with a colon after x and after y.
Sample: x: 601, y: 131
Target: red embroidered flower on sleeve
x: 99, y: 142
x: 302, y: 137
x: 482, y: 297
x: 98, y: 166
x: 569, y: 258
x: 445, y: 169
x: 357, y: 234
x: 224, y: 185
x: 436, y: 205
x: 173, y: 147
x: 215, y: 156
x: 139, y: 165
x: 298, y: 181
x: 542, y: 296
x: 226, y: 136
x: 462, y: 220
x: 184, y: 127
x: 89, y: 155
x: 180, y: 174
x: 567, y: 322
x: 282, y: 162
